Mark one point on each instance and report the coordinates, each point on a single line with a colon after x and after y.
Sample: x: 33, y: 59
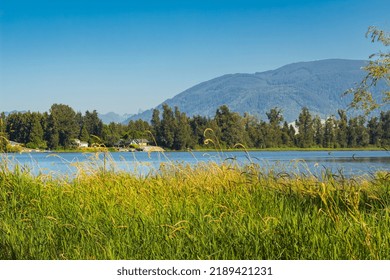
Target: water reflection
x: 351, y: 159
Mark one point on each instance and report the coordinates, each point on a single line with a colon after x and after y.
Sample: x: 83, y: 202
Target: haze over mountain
x: 114, y: 117
x: 318, y: 85
x: 12, y: 112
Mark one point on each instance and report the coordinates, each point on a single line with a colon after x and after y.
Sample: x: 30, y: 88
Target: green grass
x: 208, y: 211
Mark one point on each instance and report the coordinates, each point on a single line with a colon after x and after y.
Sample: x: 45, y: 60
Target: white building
x: 80, y: 144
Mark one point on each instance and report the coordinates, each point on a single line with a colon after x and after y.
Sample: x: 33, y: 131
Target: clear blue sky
x: 123, y: 56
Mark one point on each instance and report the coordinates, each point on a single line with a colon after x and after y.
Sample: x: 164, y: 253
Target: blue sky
x: 123, y: 56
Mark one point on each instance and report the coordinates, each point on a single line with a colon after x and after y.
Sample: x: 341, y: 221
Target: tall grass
x: 206, y: 211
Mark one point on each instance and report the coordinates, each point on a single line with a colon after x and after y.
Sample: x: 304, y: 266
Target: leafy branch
x: 378, y: 69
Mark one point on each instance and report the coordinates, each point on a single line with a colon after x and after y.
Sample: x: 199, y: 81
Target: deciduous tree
x: 378, y: 69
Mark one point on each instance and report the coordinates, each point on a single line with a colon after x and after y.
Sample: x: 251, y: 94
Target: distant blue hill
x: 113, y: 117
x: 318, y: 85
x: 13, y: 112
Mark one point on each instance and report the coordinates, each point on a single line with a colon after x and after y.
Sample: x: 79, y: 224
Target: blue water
x: 337, y: 162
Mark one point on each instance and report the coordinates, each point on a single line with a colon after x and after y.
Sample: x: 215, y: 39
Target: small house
x: 139, y: 142
x: 80, y: 144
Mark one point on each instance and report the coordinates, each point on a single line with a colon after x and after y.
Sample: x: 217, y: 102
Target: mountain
x: 318, y: 85
x: 13, y: 112
x: 113, y: 117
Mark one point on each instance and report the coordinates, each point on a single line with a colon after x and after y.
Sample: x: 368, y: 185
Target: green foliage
x: 36, y: 133
x: 318, y: 132
x: 25, y: 128
x: 288, y: 135
x: 305, y: 126
x: 167, y: 127
x: 357, y: 135
x: 112, y: 133
x: 329, y: 133
x: 273, y: 135
x: 13, y: 148
x: 198, y: 125
x: 230, y: 127
x: 182, y: 133
x: 3, y: 134
x: 84, y: 135
x: 384, y: 125
x: 63, y: 126
x: 341, y: 131
x: 378, y: 69
x: 176, y: 131
x: 92, y: 124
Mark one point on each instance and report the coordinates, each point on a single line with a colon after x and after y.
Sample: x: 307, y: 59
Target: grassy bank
x: 208, y: 211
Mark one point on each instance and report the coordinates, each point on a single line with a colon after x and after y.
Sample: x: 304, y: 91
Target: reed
x: 206, y: 211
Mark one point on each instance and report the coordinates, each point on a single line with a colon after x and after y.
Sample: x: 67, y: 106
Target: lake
x: 346, y: 162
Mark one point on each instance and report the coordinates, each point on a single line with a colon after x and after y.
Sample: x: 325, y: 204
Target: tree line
x: 174, y: 130
x: 227, y: 129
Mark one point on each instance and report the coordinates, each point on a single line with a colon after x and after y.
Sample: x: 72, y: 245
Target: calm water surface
x: 347, y: 162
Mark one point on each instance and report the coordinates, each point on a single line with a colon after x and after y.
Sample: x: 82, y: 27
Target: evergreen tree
x: 318, y: 131
x: 287, y: 138
x: 84, y: 135
x: 304, y: 123
x: 357, y: 133
x: 231, y: 126
x: 262, y: 138
x: 18, y: 127
x: 36, y: 134
x: 45, y: 127
x: 167, y: 130
x: 198, y: 125
x: 156, y: 126
x: 352, y: 133
x: 112, y: 133
x: 3, y: 134
x: 374, y: 131
x: 385, y: 127
x: 251, y: 124
x: 139, y: 129
x: 182, y: 136
x: 292, y: 133
x: 363, y: 138
x: 329, y: 133
x: 274, y: 133
x: 341, y: 133
x: 93, y: 125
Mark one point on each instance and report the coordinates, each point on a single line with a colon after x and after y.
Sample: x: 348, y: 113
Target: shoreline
x: 111, y: 150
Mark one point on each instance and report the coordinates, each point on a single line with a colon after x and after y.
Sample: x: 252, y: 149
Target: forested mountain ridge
x: 317, y: 85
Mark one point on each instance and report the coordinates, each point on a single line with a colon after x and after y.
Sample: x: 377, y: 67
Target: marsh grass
x: 205, y: 211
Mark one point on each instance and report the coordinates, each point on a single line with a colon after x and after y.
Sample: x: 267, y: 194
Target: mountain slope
x: 318, y: 85
x: 113, y: 117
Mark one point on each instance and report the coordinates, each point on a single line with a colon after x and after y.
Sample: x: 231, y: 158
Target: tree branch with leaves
x: 378, y: 69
